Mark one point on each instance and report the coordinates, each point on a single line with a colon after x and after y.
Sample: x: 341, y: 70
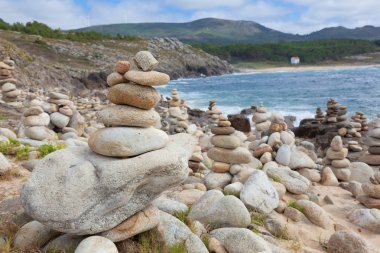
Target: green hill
x: 220, y: 31
x: 208, y: 30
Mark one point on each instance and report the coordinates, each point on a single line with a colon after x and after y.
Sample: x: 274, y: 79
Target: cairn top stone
x: 145, y: 61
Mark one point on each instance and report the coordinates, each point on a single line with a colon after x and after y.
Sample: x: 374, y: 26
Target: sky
x: 294, y: 16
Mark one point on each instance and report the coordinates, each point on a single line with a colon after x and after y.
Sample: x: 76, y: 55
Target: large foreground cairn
x: 8, y: 82
x: 130, y: 124
x: 227, y: 152
x: 87, y: 190
x: 178, y: 119
x: 261, y: 117
x: 373, y: 141
x: 336, y: 156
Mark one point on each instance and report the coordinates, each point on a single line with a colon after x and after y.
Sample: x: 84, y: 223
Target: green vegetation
x: 46, y: 149
x: 310, y: 52
x: 9, y: 148
x: 257, y: 218
x: 293, y: 204
x: 37, y: 28
x: 182, y: 215
x: 22, y: 152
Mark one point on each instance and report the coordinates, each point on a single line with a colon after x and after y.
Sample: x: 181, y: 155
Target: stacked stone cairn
x: 361, y: 118
x: 261, y: 118
x: 58, y: 114
x: 178, y: 119
x: 130, y: 123
x: 36, y: 123
x: 336, y: 157
x: 8, y: 89
x: 213, y: 114
x: 112, y: 181
x: 226, y: 153
x: 342, y: 117
x: 332, y: 111
x: 371, y: 190
x: 319, y: 115
x: 373, y: 142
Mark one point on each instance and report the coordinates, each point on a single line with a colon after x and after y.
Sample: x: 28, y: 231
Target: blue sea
x: 296, y: 93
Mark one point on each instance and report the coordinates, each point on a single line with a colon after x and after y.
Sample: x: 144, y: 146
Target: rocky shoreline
x: 128, y: 170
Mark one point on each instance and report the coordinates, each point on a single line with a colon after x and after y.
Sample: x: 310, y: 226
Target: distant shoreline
x: 303, y: 68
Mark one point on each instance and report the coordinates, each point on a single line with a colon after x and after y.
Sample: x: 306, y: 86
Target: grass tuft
x: 293, y: 204
x: 49, y: 148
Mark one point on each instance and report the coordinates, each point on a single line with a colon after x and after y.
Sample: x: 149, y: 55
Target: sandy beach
x: 305, y: 68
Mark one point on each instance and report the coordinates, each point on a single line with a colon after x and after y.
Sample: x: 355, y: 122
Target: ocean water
x: 296, y: 93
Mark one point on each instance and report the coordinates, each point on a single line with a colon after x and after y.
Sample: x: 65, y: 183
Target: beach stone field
x: 130, y: 170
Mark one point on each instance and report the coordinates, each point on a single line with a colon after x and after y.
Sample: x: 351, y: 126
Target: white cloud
x: 206, y: 4
x: 296, y: 16
x: 259, y: 12
x: 319, y: 14
x: 56, y: 13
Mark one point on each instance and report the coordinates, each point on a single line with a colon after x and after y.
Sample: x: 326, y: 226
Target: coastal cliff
x: 80, y: 67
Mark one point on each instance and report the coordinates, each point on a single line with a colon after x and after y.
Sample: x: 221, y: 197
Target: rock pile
x: 227, y: 152
x: 58, y: 114
x: 336, y: 156
x: 130, y: 123
x: 373, y: 141
x: 178, y: 119
x: 371, y: 189
x: 126, y: 166
x: 361, y: 118
x: 319, y: 115
x: 36, y: 123
x: 213, y: 114
x: 8, y: 89
x: 332, y: 111
x: 6, y: 68
x: 261, y: 118
x: 342, y: 117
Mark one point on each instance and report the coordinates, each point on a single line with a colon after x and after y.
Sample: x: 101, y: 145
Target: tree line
x: 37, y: 28
x: 309, y: 51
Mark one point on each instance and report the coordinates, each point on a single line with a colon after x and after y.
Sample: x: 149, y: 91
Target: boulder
x: 150, y: 78
x: 315, y: 213
x: 238, y: 155
x: 366, y: 218
x: 258, y: 193
x: 77, y: 191
x: 217, y: 180
x: 225, y: 141
x: 293, y: 181
x: 127, y: 141
x: 37, y: 133
x: 215, y: 209
x: 347, y: 242
x: 360, y: 172
x: 240, y: 240
x: 174, y: 232
x: 33, y: 234
x: 4, y: 164
x: 283, y: 155
x: 143, y: 97
x: 140, y: 222
x: 123, y: 115
x: 145, y: 60
x: 170, y: 205
x: 299, y: 160
x: 59, y: 120
x: 96, y: 244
